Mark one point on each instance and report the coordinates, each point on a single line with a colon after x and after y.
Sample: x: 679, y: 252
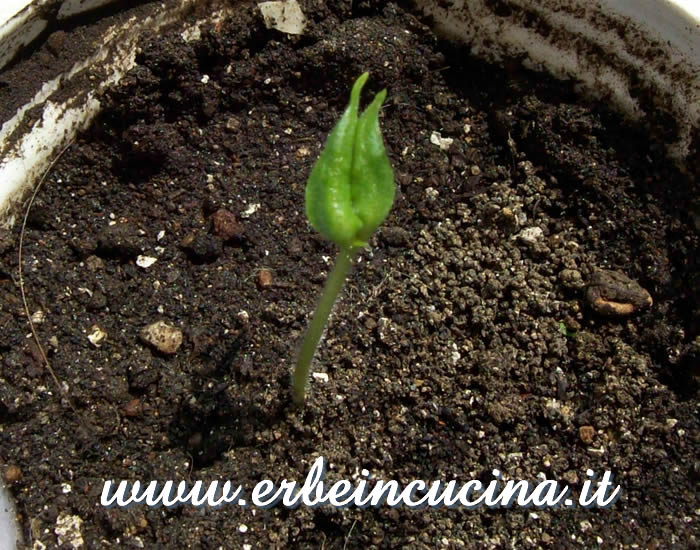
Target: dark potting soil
x: 470, y: 336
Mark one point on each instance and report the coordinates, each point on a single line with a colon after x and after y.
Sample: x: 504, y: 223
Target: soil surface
x: 500, y: 319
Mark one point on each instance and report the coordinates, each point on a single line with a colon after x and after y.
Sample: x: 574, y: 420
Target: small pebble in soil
x: 12, y: 474
x: 443, y: 143
x: 586, y: 434
x: 250, y: 210
x: 96, y: 336
x: 612, y: 293
x: 322, y: 376
x: 145, y: 261
x: 225, y: 226
x: 38, y: 317
x: 162, y: 336
x: 286, y: 17
x: 531, y: 235
x: 264, y: 278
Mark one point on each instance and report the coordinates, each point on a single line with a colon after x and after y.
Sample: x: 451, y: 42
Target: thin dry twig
x: 44, y: 357
x: 347, y: 538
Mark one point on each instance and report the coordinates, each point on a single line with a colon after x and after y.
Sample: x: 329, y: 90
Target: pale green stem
x: 334, y: 283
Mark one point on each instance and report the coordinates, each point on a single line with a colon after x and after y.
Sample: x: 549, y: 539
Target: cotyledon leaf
x: 351, y: 187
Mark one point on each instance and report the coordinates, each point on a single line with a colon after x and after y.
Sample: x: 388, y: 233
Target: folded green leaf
x: 351, y: 188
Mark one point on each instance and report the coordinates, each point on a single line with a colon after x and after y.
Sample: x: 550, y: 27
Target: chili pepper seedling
x: 348, y: 195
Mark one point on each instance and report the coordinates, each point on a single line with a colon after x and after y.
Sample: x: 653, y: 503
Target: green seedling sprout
x: 348, y: 195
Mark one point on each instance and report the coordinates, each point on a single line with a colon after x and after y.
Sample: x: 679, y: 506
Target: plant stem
x: 334, y: 283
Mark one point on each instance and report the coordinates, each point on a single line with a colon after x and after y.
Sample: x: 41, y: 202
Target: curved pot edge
x: 25, y: 155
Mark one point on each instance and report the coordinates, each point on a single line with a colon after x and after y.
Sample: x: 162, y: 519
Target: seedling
x: 348, y: 195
